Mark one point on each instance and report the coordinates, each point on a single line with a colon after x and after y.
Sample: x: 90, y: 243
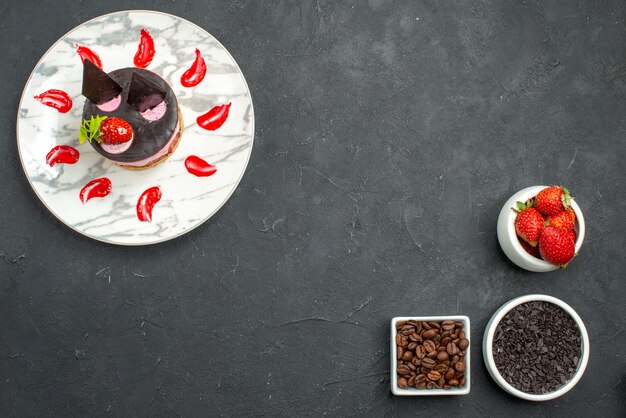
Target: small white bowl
x: 396, y: 390
x: 488, y: 348
x: 508, y: 238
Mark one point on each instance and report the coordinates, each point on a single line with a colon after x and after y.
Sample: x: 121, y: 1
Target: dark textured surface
x: 388, y: 137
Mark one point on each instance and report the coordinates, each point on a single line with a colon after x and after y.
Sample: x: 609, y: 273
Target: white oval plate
x: 187, y: 200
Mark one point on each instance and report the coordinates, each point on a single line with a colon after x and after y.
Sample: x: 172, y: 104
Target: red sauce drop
x: 146, y: 202
x: 145, y: 51
x: 57, y: 99
x: 195, y: 74
x: 88, y: 54
x: 62, y: 154
x: 95, y: 188
x: 214, y: 118
x: 198, y: 167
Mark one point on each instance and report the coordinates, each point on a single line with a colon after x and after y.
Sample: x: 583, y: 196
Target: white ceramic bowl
x: 396, y: 390
x: 508, y: 238
x: 488, y: 348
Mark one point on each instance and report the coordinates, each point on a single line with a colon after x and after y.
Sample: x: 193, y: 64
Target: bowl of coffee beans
x: 430, y: 355
x: 536, y: 347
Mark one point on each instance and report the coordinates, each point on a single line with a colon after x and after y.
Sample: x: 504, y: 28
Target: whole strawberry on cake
x: 131, y: 116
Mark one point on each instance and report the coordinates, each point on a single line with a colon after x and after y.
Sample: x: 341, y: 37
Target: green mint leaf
x: 90, y: 129
x: 82, y: 135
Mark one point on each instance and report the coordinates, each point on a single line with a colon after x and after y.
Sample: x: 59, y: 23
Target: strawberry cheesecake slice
x: 131, y: 116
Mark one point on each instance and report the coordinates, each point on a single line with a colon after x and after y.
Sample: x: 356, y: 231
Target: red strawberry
x: 572, y: 235
x: 529, y: 223
x: 556, y: 246
x: 552, y: 200
x: 562, y: 220
x: 115, y: 131
x: 534, y: 251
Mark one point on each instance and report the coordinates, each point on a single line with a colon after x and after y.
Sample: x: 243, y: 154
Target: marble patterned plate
x: 187, y: 201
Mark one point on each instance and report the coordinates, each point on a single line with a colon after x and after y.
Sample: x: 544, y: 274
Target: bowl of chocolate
x: 430, y: 355
x: 536, y: 347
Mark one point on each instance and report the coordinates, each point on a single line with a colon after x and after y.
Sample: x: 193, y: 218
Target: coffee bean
x: 452, y: 349
x: 431, y: 385
x: 416, y: 361
x: 458, y: 324
x: 441, y: 381
x: 462, y: 382
x: 411, y: 366
x: 463, y: 344
x: 400, y: 324
x: 402, y: 383
x: 461, y: 334
x: 434, y: 375
x: 434, y: 324
x: 447, y: 387
x: 414, y: 337
x: 420, y: 351
x: 430, y: 334
x: 442, y: 356
x: 447, y: 325
x: 429, y: 346
x: 407, y: 330
x: 453, y: 382
x: 403, y: 370
x: 432, y: 355
x: 460, y: 366
x: 425, y: 325
x: 450, y: 374
x: 404, y: 340
x: 411, y: 381
x: 411, y: 346
x: 408, y: 355
x: 400, y: 353
x: 455, y: 358
x: 441, y: 368
x: 428, y: 363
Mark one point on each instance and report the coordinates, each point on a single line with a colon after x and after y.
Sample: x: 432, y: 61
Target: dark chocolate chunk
x: 144, y: 94
x: 98, y: 86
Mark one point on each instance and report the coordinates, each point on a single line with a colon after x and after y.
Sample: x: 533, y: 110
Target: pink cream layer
x: 156, y: 112
x: 111, y: 105
x: 164, y: 151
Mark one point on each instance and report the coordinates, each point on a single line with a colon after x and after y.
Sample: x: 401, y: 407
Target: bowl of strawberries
x: 541, y: 228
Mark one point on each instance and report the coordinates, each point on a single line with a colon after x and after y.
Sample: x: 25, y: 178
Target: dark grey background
x: 388, y: 136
